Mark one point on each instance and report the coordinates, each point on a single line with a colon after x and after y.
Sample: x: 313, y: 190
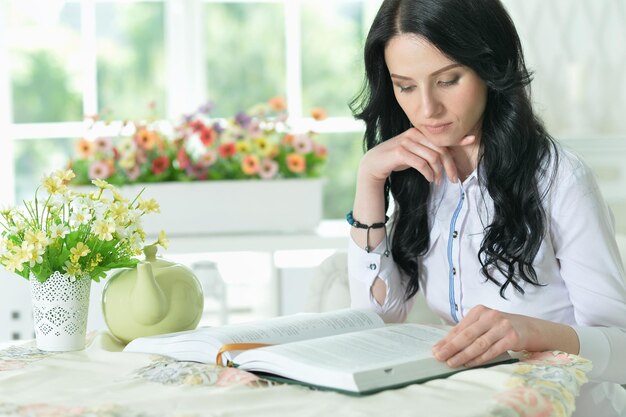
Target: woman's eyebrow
x: 440, y: 70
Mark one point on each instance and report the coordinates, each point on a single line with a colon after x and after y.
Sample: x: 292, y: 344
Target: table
x: 102, y: 381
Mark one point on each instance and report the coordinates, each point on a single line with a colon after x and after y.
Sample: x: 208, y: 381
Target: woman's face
x: 442, y: 99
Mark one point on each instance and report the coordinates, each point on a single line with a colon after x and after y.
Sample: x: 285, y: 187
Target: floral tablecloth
x: 101, y: 381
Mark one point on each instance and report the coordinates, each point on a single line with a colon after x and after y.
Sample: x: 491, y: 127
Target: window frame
x: 185, y: 86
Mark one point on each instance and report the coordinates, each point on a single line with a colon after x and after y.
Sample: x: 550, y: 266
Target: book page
x: 353, y: 352
x: 202, y: 344
x: 298, y: 327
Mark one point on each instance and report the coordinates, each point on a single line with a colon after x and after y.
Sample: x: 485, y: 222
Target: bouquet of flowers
x: 258, y: 144
x: 83, y: 235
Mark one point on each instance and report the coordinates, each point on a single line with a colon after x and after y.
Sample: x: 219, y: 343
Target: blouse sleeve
x: 583, y: 235
x: 363, y: 268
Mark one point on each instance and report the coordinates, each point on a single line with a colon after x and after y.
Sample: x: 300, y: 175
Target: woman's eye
x: 406, y: 89
x: 448, y: 83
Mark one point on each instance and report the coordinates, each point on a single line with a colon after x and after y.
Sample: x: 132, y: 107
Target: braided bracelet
x: 357, y: 224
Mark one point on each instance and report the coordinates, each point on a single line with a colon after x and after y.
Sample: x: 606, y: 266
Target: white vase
x: 60, y: 309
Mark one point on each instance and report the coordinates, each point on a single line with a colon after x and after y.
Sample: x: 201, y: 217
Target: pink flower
x: 268, y: 169
x: 527, y: 402
x: 99, y: 170
x: 133, y: 172
x: 302, y: 144
x: 233, y: 376
x: 208, y: 158
x: 104, y: 145
x: 183, y: 158
x: 197, y: 171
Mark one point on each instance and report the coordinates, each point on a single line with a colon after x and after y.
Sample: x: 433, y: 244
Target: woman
x: 504, y: 231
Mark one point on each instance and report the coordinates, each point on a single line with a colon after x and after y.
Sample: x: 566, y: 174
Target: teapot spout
x: 148, y: 304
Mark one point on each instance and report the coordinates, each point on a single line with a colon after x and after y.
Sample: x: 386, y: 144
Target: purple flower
x: 243, y: 119
x: 218, y: 127
x: 206, y: 108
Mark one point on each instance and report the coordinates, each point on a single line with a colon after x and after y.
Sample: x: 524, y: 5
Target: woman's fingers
x: 484, y: 334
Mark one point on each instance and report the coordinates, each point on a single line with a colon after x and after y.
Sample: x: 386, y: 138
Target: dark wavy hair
x: 515, y: 149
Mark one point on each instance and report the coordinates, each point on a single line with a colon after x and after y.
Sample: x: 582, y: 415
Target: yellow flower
x: 149, y: 206
x: 262, y: 144
x: 119, y: 210
x: 102, y: 184
x: 80, y: 250
x: 104, y: 229
x: 53, y: 184
x: 117, y: 196
x: 65, y: 176
x: 163, y: 240
x: 96, y: 261
x: 13, y: 264
x: 23, y: 253
x: 73, y: 269
x: 243, y: 146
x: 36, y: 238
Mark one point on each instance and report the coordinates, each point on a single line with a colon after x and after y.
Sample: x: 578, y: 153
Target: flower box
x: 232, y: 206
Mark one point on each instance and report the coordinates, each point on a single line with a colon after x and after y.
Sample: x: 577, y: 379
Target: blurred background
x: 62, y: 60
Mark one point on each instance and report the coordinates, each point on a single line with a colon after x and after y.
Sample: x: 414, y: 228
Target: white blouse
x: 578, y: 263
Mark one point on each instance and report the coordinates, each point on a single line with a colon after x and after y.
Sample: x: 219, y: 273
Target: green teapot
x: 155, y: 297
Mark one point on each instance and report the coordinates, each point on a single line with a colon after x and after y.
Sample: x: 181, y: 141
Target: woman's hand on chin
x: 410, y: 149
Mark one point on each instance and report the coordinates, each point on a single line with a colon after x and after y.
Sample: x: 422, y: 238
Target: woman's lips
x: 438, y: 128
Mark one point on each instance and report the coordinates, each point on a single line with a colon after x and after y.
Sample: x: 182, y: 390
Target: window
x: 160, y: 59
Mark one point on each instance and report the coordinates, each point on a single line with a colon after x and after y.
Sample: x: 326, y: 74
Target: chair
x: 329, y: 290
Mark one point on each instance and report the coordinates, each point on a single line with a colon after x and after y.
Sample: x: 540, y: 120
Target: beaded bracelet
x: 355, y: 223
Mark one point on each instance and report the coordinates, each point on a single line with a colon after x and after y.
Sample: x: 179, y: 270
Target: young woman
x: 504, y: 232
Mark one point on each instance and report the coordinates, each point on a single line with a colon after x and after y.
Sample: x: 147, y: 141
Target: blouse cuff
x: 363, y: 268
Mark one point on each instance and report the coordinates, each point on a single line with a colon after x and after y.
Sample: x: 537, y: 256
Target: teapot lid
x: 150, y: 252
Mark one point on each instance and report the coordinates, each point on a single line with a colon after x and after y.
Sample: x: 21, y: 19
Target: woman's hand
x: 410, y: 149
x: 486, y: 333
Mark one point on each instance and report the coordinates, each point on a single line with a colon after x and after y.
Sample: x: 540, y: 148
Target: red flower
x: 183, y: 158
x: 226, y: 150
x: 196, y: 126
x: 207, y: 136
x: 160, y: 164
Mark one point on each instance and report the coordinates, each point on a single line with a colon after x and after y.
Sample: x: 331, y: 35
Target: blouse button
x: 372, y: 266
x: 455, y: 234
x: 453, y: 271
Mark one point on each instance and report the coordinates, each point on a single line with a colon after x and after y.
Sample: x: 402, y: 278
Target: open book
x: 347, y: 350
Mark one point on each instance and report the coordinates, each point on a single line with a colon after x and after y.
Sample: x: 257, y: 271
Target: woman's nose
x: 430, y: 105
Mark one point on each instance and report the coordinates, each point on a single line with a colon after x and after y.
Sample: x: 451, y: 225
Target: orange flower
x: 296, y: 163
x: 227, y: 150
x: 250, y: 164
x: 84, y: 148
x: 277, y: 103
x: 288, y: 139
x: 145, y: 139
x: 318, y: 113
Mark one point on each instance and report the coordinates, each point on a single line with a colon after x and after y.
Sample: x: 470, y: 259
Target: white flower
x: 59, y: 230
x: 36, y: 238
x: 23, y: 253
x: 59, y: 200
x: 104, y: 229
x: 80, y: 217
x: 36, y: 256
